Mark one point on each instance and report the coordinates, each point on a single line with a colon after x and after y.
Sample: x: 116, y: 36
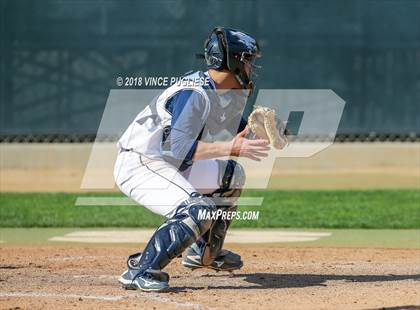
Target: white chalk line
x: 164, y: 299
x: 143, y: 295
x: 88, y: 257
x: 60, y: 296
x: 102, y: 276
x: 233, y: 236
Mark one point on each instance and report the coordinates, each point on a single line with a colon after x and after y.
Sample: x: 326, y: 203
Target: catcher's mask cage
x: 232, y: 49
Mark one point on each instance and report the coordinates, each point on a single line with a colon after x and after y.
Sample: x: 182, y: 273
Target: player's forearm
x: 206, y: 150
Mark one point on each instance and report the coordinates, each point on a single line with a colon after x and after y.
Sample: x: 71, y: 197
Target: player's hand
x: 253, y: 149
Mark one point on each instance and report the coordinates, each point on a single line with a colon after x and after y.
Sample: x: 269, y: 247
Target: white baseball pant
x: 158, y: 185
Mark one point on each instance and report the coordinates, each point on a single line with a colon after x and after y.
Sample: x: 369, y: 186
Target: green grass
x: 298, y: 209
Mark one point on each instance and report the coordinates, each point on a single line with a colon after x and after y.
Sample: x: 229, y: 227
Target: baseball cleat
x: 149, y: 280
x: 225, y: 261
x: 126, y: 279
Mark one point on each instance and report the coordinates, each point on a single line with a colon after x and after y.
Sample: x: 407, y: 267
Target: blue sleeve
x: 187, y: 109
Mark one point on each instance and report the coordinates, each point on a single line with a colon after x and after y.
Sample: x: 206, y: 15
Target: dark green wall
x: 60, y: 58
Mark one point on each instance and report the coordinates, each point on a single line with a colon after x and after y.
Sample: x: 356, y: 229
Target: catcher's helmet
x: 230, y: 49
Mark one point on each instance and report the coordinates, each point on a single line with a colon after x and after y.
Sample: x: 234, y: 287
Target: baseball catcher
x: 168, y: 162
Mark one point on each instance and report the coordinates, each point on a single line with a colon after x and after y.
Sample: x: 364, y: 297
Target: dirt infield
x: 54, y: 277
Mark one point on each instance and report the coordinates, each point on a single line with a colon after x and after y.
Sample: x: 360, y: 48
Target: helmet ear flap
x: 211, y: 59
x: 221, y: 36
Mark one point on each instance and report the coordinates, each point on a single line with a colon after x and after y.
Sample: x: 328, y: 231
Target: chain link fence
x: 90, y: 138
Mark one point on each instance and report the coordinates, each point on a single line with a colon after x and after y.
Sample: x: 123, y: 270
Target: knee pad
x: 231, y: 180
x: 231, y: 175
x: 133, y: 260
x: 178, y: 232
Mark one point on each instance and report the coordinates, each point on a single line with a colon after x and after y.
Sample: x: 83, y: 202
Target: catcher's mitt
x: 263, y: 123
